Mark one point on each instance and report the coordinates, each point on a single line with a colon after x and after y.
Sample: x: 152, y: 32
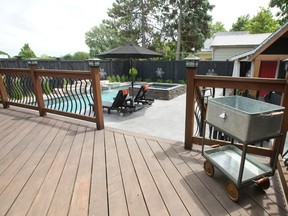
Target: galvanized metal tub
x: 244, y: 118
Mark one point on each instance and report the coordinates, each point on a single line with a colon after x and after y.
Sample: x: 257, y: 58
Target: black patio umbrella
x: 130, y: 51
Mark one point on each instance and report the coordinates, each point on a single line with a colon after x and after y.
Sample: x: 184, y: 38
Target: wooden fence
x: 147, y: 69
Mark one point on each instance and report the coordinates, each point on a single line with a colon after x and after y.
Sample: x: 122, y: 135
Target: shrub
x: 168, y: 81
x: 160, y: 80
x: 117, y: 79
x: 122, y: 78
x: 182, y: 81
x: 109, y: 78
x: 148, y: 80
x: 113, y: 78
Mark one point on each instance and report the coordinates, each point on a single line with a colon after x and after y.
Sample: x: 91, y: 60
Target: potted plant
x: 133, y: 71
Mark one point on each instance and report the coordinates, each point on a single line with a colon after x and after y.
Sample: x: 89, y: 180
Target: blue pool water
x: 109, y: 95
x: 80, y: 103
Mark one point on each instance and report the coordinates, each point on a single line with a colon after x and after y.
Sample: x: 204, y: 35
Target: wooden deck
x: 56, y: 166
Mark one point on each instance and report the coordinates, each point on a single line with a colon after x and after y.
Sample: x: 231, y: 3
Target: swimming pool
x: 80, y: 103
x: 109, y: 95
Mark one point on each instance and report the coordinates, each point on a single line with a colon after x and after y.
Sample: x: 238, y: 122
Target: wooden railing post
x: 284, y: 103
x: 191, y: 67
x: 3, y: 93
x: 95, y: 77
x: 284, y: 127
x: 37, y: 86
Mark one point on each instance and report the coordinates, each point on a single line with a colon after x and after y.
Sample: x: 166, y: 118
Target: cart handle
x: 272, y: 114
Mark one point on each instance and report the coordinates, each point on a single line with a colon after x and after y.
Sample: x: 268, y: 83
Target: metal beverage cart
x: 247, y: 121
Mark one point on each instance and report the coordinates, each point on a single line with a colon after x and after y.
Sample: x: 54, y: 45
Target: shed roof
x: 244, y: 55
x: 238, y: 39
x: 281, y: 32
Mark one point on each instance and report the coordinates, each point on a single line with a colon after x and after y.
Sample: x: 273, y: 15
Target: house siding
x: 225, y: 53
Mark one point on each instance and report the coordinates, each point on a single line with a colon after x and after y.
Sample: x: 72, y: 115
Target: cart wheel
x: 209, y: 169
x: 286, y: 162
x: 264, y: 183
x: 232, y: 191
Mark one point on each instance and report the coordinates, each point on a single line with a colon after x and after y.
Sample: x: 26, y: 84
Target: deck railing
x: 196, y: 83
x: 75, y: 94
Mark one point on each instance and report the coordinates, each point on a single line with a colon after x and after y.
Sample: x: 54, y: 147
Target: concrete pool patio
x: 164, y: 118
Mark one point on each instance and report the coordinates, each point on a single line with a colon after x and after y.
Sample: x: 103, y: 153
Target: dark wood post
x: 284, y: 127
x: 37, y: 86
x: 191, y: 67
x: 3, y: 93
x: 284, y: 102
x: 96, y: 87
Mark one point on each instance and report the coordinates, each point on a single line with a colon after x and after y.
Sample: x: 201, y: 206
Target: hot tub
x: 162, y: 91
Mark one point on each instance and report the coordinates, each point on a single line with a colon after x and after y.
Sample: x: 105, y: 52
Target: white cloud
x: 54, y: 27
x: 57, y: 27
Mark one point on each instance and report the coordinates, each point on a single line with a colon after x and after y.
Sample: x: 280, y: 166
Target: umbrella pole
x: 132, y: 85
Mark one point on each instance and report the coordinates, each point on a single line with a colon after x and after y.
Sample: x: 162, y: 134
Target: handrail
x: 195, y: 82
x: 42, y: 89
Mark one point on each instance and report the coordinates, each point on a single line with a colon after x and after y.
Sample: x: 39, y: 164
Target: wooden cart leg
x: 209, y: 169
x: 232, y: 191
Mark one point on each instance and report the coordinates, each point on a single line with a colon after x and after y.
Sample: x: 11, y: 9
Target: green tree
x: 101, y: 38
x: 67, y: 57
x: 81, y: 55
x: 282, y: 5
x: 217, y: 27
x: 262, y: 22
x: 187, y: 22
x: 153, y: 23
x: 27, y: 52
x: 167, y: 48
x: 4, y: 53
x: 45, y: 56
x: 241, y: 23
x: 133, y: 20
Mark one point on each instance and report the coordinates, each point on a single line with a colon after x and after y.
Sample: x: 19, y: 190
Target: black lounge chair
x: 141, y: 96
x: 120, y: 104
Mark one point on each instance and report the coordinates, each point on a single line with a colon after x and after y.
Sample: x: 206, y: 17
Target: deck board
x: 32, y: 186
x: 46, y: 192
x: 58, y: 166
x: 98, y: 192
x: 60, y: 204
x: 175, y: 206
x: 116, y: 194
x: 135, y: 200
x: 169, y: 161
x: 154, y: 201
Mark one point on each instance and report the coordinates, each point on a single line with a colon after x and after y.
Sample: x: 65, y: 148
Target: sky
x: 58, y: 27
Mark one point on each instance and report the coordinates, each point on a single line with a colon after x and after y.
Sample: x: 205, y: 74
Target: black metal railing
x: 61, y: 92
